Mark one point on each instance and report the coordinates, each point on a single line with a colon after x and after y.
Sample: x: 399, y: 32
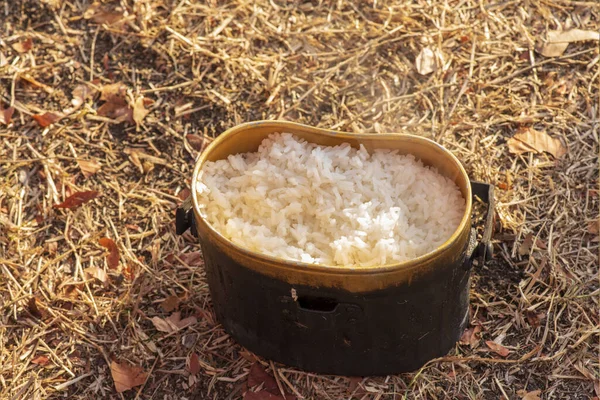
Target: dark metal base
x: 334, y: 331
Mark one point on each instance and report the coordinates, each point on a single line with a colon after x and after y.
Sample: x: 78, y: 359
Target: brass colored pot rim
x: 320, y: 268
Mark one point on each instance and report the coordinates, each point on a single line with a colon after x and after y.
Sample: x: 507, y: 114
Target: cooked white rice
x: 329, y: 205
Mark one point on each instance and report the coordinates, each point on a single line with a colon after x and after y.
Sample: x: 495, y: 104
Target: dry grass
x: 347, y: 65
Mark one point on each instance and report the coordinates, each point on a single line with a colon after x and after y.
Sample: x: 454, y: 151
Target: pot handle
x: 184, y: 218
x: 484, y: 250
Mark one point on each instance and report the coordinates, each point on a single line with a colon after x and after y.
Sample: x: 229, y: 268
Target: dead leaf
x: 497, y: 348
x: 176, y: 320
x: 170, y: 303
x: 540, y: 244
x: 194, y: 364
x: 471, y: 336
x: 41, y: 360
x: 114, y: 92
x: 173, y: 323
x: 248, y: 356
x: 36, y: 308
x: 112, y: 259
x: 46, y: 119
x: 258, y: 376
x: 161, y: 325
x: 184, y: 194
x: 6, y: 115
x: 77, y: 199
x: 24, y: 46
x: 3, y: 60
x: 525, y: 395
x: 265, y: 395
x: 530, y: 140
x: 192, y: 259
x: 120, y: 112
x: 557, y: 41
x: 115, y: 106
x: 126, y: 376
x: 105, y: 62
x: 594, y: 227
x: 354, y: 385
x: 534, y: 319
x: 139, y: 111
x: 425, y: 61
x: 97, y: 273
x: 129, y: 272
x: 88, y: 167
x: 96, y: 13
x: 195, y: 141
x: 525, y: 247
x: 72, y: 291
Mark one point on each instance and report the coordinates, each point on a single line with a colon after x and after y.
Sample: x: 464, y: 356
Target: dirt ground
x: 118, y: 98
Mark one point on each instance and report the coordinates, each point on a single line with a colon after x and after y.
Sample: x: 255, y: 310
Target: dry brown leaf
x: 88, y: 167
x: 46, y: 119
x: 184, y: 194
x: 525, y: 395
x: 248, y: 356
x: 113, y: 257
x: 120, y: 112
x: 557, y: 41
x: 3, y: 60
x: 594, y: 227
x: 97, y: 273
x: 192, y: 259
x: 170, y: 303
x: 162, y: 325
x: 35, y: 307
x: 195, y: 141
x: 179, y: 323
x: 139, y: 111
x: 265, y: 395
x: 172, y: 323
x: 258, y: 376
x: 534, y: 318
x: 6, y: 115
x: 41, y: 360
x: 425, y: 61
x: 96, y: 13
x: 471, y: 336
x: 127, y: 377
x: 115, y: 106
x: 525, y: 247
x: 77, y: 199
x: 353, y: 385
x: 531, y: 140
x: 24, y: 46
x: 194, y: 364
x: 115, y: 92
x: 497, y: 348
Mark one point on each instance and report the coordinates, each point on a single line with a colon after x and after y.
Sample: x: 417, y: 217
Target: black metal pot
x: 342, y: 320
